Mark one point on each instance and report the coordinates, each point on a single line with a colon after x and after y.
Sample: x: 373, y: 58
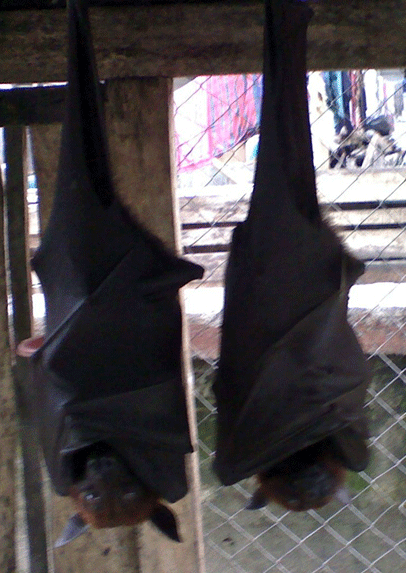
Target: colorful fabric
x: 213, y: 114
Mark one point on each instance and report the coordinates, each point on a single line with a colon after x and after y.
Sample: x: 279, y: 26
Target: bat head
x: 105, y: 491
x: 107, y: 494
x: 300, y: 483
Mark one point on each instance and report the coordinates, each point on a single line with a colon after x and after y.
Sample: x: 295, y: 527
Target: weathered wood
x: 45, y: 144
x: 140, y: 151
x: 46, y: 4
x: 195, y: 38
x: 138, y: 114
x: 28, y: 105
x: 20, y: 290
x: 8, y: 428
x: 15, y: 151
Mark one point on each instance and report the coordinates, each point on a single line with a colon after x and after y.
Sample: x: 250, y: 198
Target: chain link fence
x: 359, y: 138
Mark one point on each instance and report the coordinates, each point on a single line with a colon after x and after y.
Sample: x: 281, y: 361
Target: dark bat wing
x: 291, y: 371
x: 109, y: 369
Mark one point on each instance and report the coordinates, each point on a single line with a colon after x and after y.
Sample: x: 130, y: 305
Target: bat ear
x: 74, y: 527
x: 342, y: 494
x: 257, y: 501
x: 165, y: 521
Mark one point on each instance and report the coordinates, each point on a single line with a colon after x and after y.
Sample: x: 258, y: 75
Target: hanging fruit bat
x: 110, y: 403
x: 292, y: 377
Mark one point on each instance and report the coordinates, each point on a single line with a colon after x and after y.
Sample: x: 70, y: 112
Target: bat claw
x: 257, y: 501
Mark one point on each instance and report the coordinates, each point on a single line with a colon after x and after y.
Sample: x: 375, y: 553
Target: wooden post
x: 46, y: 140
x: 15, y: 189
x: 139, y: 127
x: 8, y: 430
x: 20, y: 290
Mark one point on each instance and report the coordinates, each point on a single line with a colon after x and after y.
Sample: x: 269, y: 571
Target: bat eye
x: 130, y: 496
x: 91, y: 496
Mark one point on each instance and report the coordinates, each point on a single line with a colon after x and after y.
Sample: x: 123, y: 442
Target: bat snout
x: 108, y: 495
x: 310, y: 488
x: 316, y: 481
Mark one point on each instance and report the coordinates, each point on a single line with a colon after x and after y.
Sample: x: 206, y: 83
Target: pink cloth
x: 213, y: 114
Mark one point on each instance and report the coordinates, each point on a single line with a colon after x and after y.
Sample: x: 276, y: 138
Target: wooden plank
x: 137, y: 129
x: 14, y: 150
x: 47, y: 4
x: 198, y: 38
x: 8, y: 433
x: 27, y: 105
x: 20, y: 290
x: 46, y: 140
x: 138, y: 114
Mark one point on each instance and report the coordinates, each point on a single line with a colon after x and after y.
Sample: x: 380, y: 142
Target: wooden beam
x: 27, y: 105
x: 15, y: 190
x: 15, y: 145
x: 8, y: 426
x: 47, y: 4
x: 198, y: 38
x: 46, y: 141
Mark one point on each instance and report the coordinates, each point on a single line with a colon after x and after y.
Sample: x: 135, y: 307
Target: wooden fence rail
x: 194, y: 38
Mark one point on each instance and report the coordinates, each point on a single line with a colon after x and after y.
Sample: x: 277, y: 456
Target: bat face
x: 306, y: 480
x: 307, y: 488
x: 108, y: 494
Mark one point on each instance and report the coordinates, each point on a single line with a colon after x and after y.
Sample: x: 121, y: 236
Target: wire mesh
x: 359, y: 140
